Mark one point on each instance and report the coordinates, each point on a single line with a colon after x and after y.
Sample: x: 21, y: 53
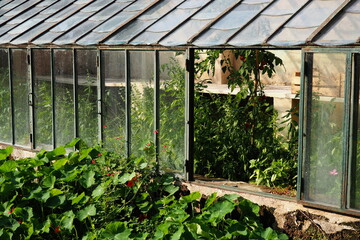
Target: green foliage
x: 237, y: 136
x: 90, y: 193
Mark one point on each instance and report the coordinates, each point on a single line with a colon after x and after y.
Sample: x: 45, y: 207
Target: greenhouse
x: 121, y: 73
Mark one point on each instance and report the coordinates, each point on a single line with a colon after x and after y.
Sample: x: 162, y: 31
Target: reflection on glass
x: 355, y: 170
x: 142, y: 103
x: 114, y: 130
x: 5, y: 108
x: 64, y: 99
x: 323, y: 169
x: 21, y: 94
x: 87, y: 96
x: 172, y: 111
x: 42, y: 98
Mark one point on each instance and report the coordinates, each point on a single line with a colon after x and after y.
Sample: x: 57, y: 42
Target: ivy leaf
x: 190, y: 198
x: 55, y: 201
x: 49, y: 181
x: 171, y: 189
x: 178, y: 233
x: 86, y: 212
x: 5, y: 153
x: 60, y: 163
x: 117, y: 230
x: 210, y: 201
x: 67, y: 220
x: 87, y: 179
x: 8, y: 166
x: 219, y: 210
x: 77, y: 199
x: 99, y: 190
x: 55, y: 192
x: 126, y: 177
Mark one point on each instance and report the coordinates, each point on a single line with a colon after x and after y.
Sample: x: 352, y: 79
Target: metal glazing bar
x: 189, y: 115
x: 52, y: 72
x: 301, y: 127
x: 157, y: 129
x: 75, y: 95
x: 128, y: 103
x: 11, y: 96
x: 100, y: 96
x: 207, y: 26
x: 31, y: 99
x: 346, y: 130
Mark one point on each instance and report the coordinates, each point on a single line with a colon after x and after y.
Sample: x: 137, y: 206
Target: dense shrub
x: 90, y: 193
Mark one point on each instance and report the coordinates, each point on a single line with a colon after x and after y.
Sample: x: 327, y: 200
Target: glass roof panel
x: 141, y: 23
x: 193, y: 4
x: 214, y: 9
x: 2, y: 3
x: 12, y: 4
x: 147, y: 38
x: 26, y: 25
x: 6, y: 38
x: 354, y: 8
x: 95, y: 6
x: 314, y: 14
x: 229, y: 24
x: 109, y: 11
x: 72, y: 36
x: 21, y: 8
x: 91, y: 39
x: 24, y: 38
x: 182, y: 34
x: 70, y: 22
x: 159, y: 10
x: 337, y: 34
x: 24, y: 16
x: 57, y: 6
x: 258, y: 30
x: 292, y: 36
x: 5, y: 28
x: 45, y: 3
x: 284, y: 7
x: 68, y: 11
x: 139, y: 5
x: 46, y: 38
x: 112, y: 23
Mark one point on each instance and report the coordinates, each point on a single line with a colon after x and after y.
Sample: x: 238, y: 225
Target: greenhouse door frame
x: 348, y: 132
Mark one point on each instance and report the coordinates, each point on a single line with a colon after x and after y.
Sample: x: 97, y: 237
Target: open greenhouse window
x: 328, y: 153
x: 246, y: 105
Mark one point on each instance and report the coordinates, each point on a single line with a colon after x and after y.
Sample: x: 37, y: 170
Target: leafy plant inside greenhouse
x: 237, y: 136
x: 91, y: 193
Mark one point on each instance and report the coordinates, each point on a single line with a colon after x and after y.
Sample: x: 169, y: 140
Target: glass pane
x: 5, y: 108
x: 142, y: 102
x: 87, y: 96
x: 355, y: 170
x: 172, y: 111
x: 21, y: 93
x: 323, y: 167
x: 43, y: 100
x: 64, y: 96
x: 114, y: 131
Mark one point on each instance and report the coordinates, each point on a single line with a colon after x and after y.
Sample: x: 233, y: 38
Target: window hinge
x: 97, y: 61
x: 28, y: 59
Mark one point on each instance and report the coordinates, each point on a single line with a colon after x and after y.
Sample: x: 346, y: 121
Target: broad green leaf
x: 67, y: 220
x: 8, y: 166
x: 46, y: 226
x: 230, y: 197
x: 55, y: 201
x: 59, y: 151
x: 171, y: 189
x: 126, y: 177
x: 60, y: 163
x: 191, y: 197
x: 49, y: 181
x: 78, y: 199
x: 42, y: 196
x: 210, y: 201
x: 73, y: 143
x: 55, y: 192
x: 87, y: 179
x: 85, y: 153
x: 99, y: 190
x: 178, y: 233
x: 117, y: 230
x: 220, y: 209
x: 86, y: 212
x: 4, y: 153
